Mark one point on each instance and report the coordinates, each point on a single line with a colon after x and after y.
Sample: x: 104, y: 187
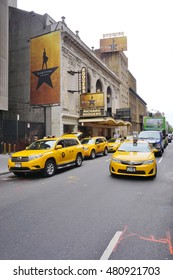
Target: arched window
x: 98, y: 86
x: 109, y: 102
x: 88, y: 82
x: 109, y: 96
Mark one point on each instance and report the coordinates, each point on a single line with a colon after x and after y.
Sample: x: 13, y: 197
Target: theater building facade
x: 57, y: 84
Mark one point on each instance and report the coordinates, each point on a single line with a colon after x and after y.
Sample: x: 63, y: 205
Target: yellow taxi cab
x: 47, y: 155
x: 134, y: 158
x: 94, y: 145
x: 114, y: 143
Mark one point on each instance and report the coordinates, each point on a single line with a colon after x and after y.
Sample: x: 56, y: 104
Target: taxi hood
x: 27, y: 153
x: 132, y: 155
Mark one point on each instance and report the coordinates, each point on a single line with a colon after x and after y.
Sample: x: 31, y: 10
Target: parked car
x: 47, y: 155
x: 94, y: 145
x: 170, y: 137
x: 114, y: 143
x: 155, y: 138
x: 134, y: 159
x: 166, y: 142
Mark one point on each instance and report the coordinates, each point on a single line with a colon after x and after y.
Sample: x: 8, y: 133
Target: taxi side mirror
x: 58, y: 147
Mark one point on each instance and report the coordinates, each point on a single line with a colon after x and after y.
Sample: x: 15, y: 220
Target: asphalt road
x: 86, y: 214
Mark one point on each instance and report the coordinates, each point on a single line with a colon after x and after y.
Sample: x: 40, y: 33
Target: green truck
x: 155, y: 123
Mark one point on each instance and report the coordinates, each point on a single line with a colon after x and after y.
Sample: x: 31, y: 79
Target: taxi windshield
x: 87, y: 141
x: 42, y: 145
x: 149, y: 135
x: 130, y: 147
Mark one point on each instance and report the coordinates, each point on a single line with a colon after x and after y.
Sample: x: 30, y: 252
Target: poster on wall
x: 92, y: 104
x: 91, y: 100
x: 45, y: 69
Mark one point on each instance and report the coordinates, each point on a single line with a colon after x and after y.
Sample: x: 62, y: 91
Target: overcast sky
x: 148, y: 25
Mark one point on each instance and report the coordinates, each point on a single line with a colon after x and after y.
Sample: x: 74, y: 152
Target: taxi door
x: 99, y: 145
x: 62, y: 154
x: 70, y: 149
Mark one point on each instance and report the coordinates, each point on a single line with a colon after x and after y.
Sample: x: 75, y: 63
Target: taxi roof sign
x: 135, y: 137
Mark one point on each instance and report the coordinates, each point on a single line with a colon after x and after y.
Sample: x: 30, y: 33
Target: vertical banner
x: 83, y: 80
x: 45, y: 69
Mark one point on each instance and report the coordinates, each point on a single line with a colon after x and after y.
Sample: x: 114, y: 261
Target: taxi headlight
x: 116, y: 160
x: 150, y: 161
x: 35, y: 156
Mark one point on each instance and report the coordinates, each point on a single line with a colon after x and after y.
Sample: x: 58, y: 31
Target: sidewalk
x: 4, y: 163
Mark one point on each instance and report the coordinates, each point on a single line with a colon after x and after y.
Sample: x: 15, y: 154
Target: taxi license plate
x: 131, y: 169
x: 18, y: 164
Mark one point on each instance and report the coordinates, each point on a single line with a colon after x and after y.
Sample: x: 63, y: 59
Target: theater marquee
x: 92, y: 104
x: 45, y: 69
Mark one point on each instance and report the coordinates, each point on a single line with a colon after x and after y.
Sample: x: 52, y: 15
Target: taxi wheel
x: 93, y: 154
x: 79, y: 160
x: 160, y: 153
x: 49, y: 169
x: 105, y: 152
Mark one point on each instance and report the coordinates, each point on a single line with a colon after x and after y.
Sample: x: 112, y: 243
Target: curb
x: 4, y: 172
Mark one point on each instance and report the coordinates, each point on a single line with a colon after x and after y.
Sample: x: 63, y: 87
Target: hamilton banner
x: 92, y: 104
x: 113, y: 44
x: 45, y: 69
x: 92, y: 100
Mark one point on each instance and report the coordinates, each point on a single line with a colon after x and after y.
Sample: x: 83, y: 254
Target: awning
x: 106, y: 121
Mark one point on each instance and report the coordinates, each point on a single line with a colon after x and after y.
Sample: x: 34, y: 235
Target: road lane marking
x: 111, y: 246
x: 166, y: 240
x: 160, y: 160
x: 151, y: 238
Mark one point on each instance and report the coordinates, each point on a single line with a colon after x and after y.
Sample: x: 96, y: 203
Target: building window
x: 98, y: 86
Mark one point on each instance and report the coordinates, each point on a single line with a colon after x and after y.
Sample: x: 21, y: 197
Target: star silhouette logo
x: 44, y: 76
x: 92, y: 101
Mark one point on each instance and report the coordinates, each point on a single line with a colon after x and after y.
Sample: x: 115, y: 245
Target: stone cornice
x: 76, y: 41
x: 133, y: 92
